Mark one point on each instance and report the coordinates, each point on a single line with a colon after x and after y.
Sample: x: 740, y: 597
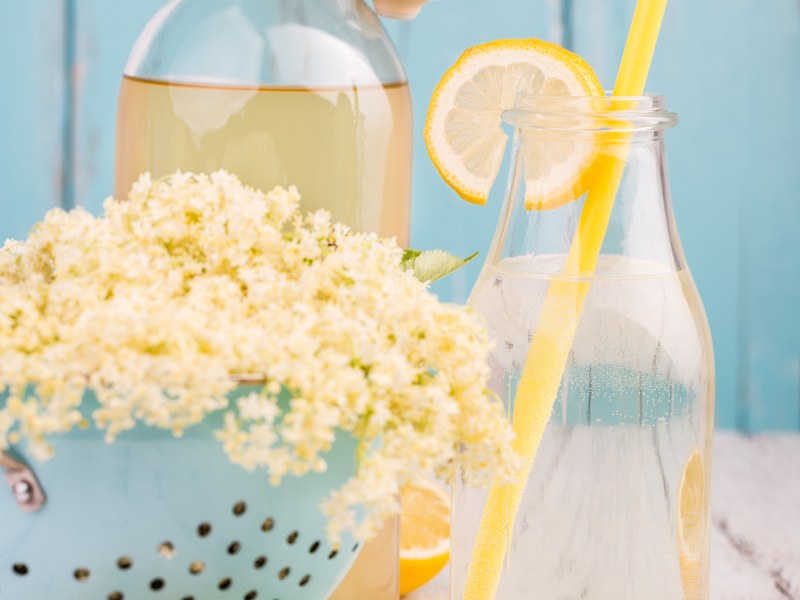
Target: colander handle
x: 23, y: 483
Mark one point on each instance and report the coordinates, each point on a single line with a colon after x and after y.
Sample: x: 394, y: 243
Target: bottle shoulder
x: 248, y: 42
x: 633, y: 313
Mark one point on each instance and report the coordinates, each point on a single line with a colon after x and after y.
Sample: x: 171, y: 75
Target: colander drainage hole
x: 188, y: 598
x: 251, y: 595
x: 260, y: 562
x: 268, y: 525
x: 239, y: 508
x: 166, y: 550
x: 224, y: 584
x: 284, y: 573
x: 333, y: 554
x: 20, y: 569
x: 82, y: 574
x: 203, y: 529
x: 234, y: 548
x: 304, y: 581
x: 157, y: 584
x: 292, y: 538
x: 355, y: 547
x: 125, y: 562
x: 116, y: 596
x: 314, y: 547
x: 197, y: 567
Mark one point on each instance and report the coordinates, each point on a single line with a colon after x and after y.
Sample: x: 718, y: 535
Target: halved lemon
x: 424, y: 533
x: 464, y: 134
x: 692, y: 525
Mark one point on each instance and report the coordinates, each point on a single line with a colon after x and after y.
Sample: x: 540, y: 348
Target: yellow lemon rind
x: 422, y: 558
x: 584, y: 77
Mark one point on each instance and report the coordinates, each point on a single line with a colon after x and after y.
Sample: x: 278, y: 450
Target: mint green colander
x: 151, y: 516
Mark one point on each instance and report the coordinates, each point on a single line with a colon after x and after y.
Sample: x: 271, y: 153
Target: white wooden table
x: 755, y: 541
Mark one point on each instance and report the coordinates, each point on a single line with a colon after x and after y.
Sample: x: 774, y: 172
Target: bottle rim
x: 591, y: 113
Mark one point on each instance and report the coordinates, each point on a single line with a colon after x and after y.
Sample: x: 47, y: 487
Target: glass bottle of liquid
x: 606, y: 366
x: 281, y: 92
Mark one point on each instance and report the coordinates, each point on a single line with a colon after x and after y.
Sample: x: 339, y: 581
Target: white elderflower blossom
x: 156, y: 306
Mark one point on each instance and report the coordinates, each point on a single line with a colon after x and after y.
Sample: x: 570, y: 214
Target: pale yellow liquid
x: 347, y: 150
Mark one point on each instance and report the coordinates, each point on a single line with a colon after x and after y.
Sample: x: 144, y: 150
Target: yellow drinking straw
x: 561, y: 313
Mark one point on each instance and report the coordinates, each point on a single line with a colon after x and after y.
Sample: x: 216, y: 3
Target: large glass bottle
x: 280, y: 92
x: 614, y: 504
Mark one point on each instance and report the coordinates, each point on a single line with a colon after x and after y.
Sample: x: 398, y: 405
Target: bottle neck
x: 641, y: 237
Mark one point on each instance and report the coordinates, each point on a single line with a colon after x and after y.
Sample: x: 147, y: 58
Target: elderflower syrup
x: 308, y: 93
x: 347, y: 149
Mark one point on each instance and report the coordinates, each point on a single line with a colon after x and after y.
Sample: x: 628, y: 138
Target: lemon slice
x: 424, y: 533
x: 692, y: 525
x: 464, y: 134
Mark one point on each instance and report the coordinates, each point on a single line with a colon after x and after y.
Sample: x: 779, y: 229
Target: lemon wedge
x: 463, y: 131
x: 424, y: 533
x: 692, y: 525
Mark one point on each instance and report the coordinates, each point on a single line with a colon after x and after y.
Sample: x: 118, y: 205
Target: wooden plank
x: 755, y: 540
x: 757, y: 509
x: 769, y: 193
x: 32, y: 112
x: 105, y: 33
x: 729, y: 69
x: 734, y: 577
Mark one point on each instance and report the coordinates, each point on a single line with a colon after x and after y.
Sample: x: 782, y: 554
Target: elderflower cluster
x: 154, y: 307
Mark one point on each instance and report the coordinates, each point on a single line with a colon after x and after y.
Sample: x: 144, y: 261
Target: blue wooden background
x: 731, y: 68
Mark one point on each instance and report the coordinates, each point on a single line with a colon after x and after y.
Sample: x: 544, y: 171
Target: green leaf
x: 432, y: 265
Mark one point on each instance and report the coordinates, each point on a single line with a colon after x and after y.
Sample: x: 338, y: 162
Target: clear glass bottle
x: 279, y: 92
x: 373, y: 575
x: 616, y: 502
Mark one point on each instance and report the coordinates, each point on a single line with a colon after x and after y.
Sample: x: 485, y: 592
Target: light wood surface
x: 755, y: 540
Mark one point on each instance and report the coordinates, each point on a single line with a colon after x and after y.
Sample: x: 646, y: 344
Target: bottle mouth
x: 591, y: 113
